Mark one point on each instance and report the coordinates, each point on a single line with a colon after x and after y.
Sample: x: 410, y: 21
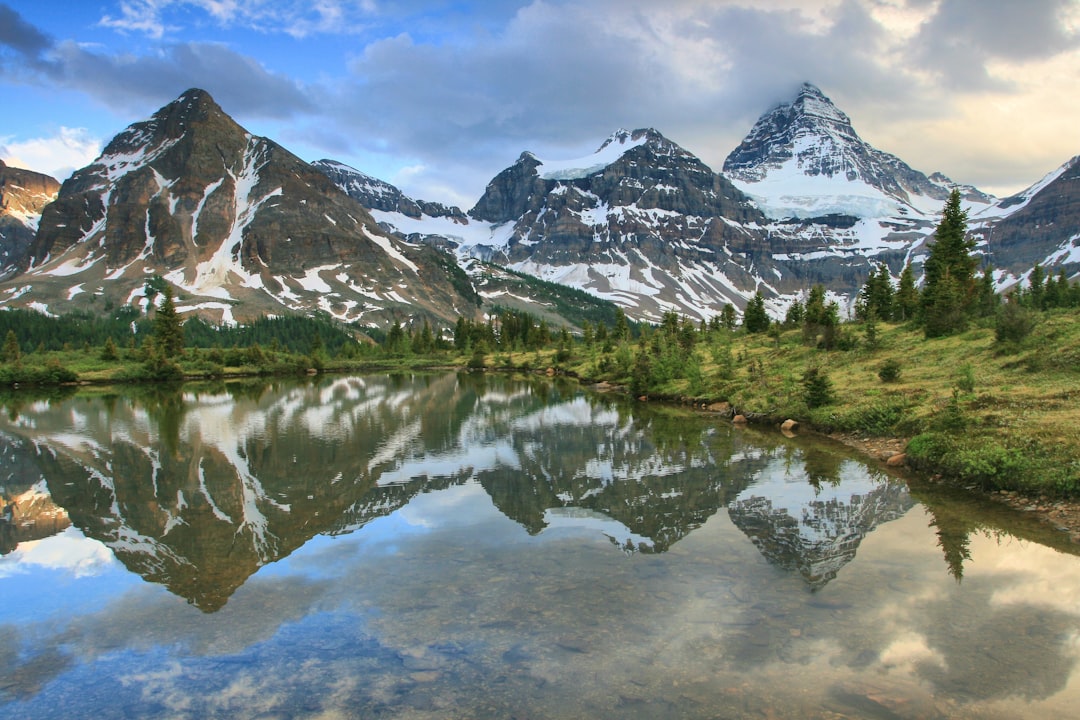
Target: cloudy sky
x: 437, y: 96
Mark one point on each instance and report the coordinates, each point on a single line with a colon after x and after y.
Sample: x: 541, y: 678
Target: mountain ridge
x: 241, y: 226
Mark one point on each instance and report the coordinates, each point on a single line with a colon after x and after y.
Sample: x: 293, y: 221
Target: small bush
x: 478, y: 361
x: 952, y: 418
x: 890, y: 371
x: 965, y: 379
x: 817, y: 388
x: 1014, y: 323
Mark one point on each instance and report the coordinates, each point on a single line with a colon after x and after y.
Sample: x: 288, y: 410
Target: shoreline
x: 1062, y: 515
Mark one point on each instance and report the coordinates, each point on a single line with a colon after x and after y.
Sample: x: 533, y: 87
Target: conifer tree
x: 622, y: 327
x: 988, y: 301
x: 949, y: 290
x: 877, y: 295
x: 795, y: 314
x: 727, y: 316
x: 1036, y: 289
x: 906, y: 302
x: 11, y: 350
x: 168, y: 328
x: 755, y: 319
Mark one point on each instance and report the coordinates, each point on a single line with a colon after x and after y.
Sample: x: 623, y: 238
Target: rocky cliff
x: 23, y: 195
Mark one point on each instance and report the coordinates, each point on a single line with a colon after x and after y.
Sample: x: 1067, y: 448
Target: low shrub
x: 890, y: 371
x: 1014, y: 323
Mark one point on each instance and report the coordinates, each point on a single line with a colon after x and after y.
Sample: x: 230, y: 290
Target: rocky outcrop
x: 23, y: 195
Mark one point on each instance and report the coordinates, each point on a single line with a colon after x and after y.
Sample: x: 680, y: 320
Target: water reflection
x: 197, y: 490
x: 460, y: 545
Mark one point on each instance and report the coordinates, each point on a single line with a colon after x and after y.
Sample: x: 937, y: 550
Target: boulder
x: 789, y: 425
x: 739, y: 419
x: 897, y: 460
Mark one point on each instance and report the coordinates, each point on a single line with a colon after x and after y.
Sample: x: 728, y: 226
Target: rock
x: 739, y: 419
x: 790, y: 425
x: 898, y: 460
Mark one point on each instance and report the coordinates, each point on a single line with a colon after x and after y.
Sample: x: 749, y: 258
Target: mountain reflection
x: 198, y: 489
x: 814, y: 528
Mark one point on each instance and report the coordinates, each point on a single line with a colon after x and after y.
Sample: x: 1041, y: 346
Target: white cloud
x: 58, y: 155
x: 299, y: 18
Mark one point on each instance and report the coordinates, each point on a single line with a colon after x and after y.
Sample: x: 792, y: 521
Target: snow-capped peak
x: 616, y: 145
x: 804, y: 158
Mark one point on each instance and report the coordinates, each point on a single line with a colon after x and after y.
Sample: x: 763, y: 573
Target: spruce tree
x: 728, y: 317
x: 877, y: 295
x: 11, y: 350
x: 906, y: 302
x: 168, y: 328
x: 1036, y: 293
x: 755, y: 319
x: 795, y: 314
x: 949, y: 290
x: 988, y: 300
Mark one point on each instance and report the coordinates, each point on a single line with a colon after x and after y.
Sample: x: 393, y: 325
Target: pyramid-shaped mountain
x: 23, y: 195
x: 241, y: 227
x: 805, y: 159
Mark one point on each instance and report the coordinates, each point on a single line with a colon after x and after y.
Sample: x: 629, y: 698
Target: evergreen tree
x: 988, y: 300
x: 755, y: 319
x: 108, y: 352
x: 395, y: 338
x: 587, y: 337
x: 906, y: 302
x: 1036, y: 292
x: 796, y: 312
x: 11, y: 350
x: 728, y: 318
x: 168, y: 328
x: 622, y: 327
x: 461, y: 334
x: 1052, y: 298
x: 817, y: 317
x: 949, y: 290
x: 943, y: 307
x: 877, y: 295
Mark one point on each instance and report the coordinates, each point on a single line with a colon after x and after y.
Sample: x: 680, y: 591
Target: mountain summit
x: 233, y: 220
x: 804, y: 158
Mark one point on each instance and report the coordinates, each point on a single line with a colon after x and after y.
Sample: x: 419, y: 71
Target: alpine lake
x: 487, y: 546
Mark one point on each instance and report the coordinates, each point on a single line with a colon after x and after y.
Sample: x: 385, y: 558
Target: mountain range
x: 242, y: 227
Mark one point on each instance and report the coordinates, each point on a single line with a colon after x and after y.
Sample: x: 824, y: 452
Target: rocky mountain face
x: 237, y: 223
x: 641, y: 222
x: 1039, y: 225
x: 23, y: 195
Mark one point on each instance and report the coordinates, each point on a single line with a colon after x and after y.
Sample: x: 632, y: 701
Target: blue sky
x: 438, y: 97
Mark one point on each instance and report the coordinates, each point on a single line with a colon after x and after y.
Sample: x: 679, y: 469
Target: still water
x: 470, y: 546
